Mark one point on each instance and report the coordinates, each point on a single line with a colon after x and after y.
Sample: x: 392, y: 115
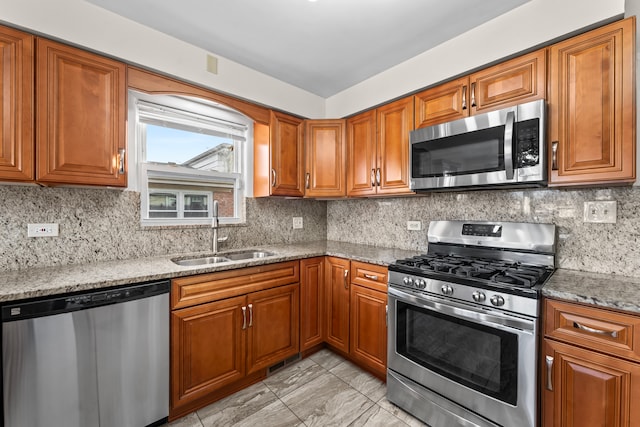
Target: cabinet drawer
x: 369, y: 275
x: 598, y: 329
x: 192, y: 290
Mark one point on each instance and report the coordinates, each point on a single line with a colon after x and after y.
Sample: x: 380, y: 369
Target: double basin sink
x: 222, y: 258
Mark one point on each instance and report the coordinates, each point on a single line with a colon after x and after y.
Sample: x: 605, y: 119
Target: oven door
x: 481, y: 359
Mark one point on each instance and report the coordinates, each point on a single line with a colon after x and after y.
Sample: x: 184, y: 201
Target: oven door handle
x: 508, y: 144
x: 464, y: 312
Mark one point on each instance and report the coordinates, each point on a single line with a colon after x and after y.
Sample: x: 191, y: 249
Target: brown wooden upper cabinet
x: 512, y: 82
x: 378, y: 150
x: 325, y: 144
x: 16, y: 105
x: 592, y: 107
x: 80, y: 117
x: 281, y: 146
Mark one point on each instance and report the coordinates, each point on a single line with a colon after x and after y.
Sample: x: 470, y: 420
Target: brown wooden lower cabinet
x: 272, y: 326
x: 312, y: 294
x: 337, y: 303
x: 220, y: 346
x: 583, y: 388
x: 207, y: 352
x: 368, y: 340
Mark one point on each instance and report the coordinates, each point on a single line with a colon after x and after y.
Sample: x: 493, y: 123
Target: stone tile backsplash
x: 606, y: 248
x: 101, y: 225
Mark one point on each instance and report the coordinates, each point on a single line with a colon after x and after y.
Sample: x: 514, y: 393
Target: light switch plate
x: 600, y: 211
x: 297, y: 222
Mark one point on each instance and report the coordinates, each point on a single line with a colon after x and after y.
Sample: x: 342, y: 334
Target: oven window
x: 472, y: 152
x: 477, y: 356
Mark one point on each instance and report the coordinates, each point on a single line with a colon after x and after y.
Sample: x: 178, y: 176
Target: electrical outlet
x: 414, y: 225
x: 600, y: 211
x: 42, y: 230
x: 297, y: 222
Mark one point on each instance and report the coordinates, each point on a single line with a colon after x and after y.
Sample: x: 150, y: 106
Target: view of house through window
x: 190, y: 154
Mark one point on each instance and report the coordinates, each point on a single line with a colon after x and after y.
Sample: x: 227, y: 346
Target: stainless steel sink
x: 248, y: 255
x: 201, y: 260
x: 222, y: 258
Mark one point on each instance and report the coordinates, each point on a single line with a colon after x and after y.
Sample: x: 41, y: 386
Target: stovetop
x: 475, y: 271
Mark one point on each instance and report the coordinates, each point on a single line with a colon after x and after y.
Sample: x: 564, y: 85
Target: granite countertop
x: 603, y: 290
x: 38, y: 282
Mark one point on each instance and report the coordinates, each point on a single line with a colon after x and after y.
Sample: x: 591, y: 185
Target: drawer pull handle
x: 464, y: 97
x: 549, y: 362
x: 244, y: 317
x: 473, y: 94
x: 273, y: 177
x: 613, y: 334
x: 554, y: 157
x: 346, y: 284
x: 373, y: 177
x: 370, y: 276
x: 250, y: 315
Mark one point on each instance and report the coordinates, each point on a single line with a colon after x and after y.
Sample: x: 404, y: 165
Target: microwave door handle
x: 508, y: 144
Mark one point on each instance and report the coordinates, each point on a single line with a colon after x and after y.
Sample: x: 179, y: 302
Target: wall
x: 102, y: 225
x: 87, y: 25
x: 531, y: 24
x: 607, y: 248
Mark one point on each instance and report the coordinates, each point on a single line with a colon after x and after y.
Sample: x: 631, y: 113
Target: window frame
x: 240, y: 183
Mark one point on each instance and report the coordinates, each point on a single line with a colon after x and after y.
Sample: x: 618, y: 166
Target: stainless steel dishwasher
x: 88, y: 359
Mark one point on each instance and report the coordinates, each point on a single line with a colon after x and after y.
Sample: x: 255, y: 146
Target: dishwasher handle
x: 29, y: 309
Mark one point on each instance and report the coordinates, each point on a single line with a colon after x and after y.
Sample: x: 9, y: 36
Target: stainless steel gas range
x: 463, y: 324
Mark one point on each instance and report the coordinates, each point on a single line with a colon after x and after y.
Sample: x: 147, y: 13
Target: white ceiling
x: 324, y: 46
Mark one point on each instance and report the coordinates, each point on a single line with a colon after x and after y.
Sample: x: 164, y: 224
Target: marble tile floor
x: 321, y: 390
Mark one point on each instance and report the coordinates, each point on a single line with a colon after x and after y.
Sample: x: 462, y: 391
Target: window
x: 188, y: 153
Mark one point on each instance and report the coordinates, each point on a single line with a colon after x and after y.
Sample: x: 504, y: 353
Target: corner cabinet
x: 227, y: 328
x: 518, y: 80
x: 337, y: 303
x: 16, y: 105
x: 312, y: 304
x: 80, y: 117
x: 326, y: 158
x: 592, y: 107
x: 590, y: 367
x: 378, y: 150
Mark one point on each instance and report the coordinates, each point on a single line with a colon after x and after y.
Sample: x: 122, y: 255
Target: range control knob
x: 478, y: 296
x: 408, y: 281
x: 419, y: 283
x: 497, y: 300
x: 446, y: 289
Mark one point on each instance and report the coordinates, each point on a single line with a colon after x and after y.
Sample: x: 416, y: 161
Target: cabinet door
x: 273, y: 323
x: 337, y: 280
x: 369, y: 328
x: 583, y: 388
x: 16, y: 105
x: 519, y: 80
x: 592, y: 107
x: 362, y: 158
x: 80, y: 116
x: 326, y: 158
x: 394, y: 122
x: 286, y: 155
x: 207, y: 349
x: 312, y: 300
x: 443, y: 103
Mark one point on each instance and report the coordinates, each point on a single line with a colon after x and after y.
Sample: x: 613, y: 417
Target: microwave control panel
x: 527, y: 143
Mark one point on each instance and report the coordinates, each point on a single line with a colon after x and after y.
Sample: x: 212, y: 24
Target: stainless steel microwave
x: 506, y: 147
